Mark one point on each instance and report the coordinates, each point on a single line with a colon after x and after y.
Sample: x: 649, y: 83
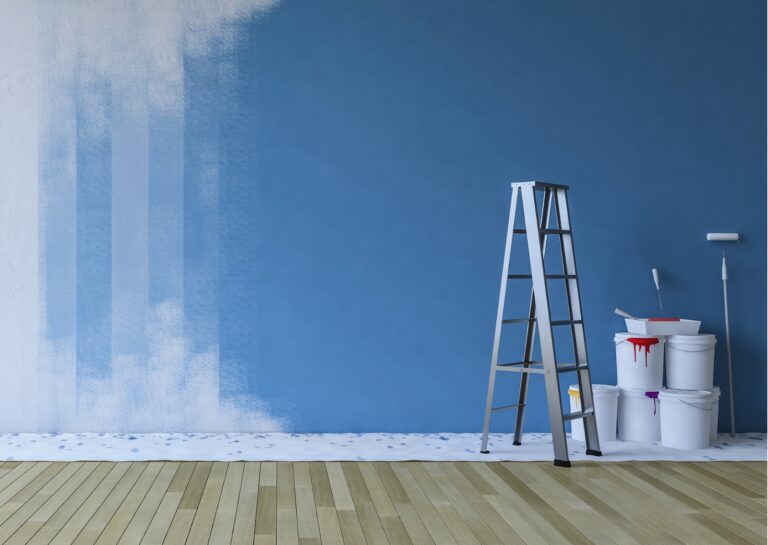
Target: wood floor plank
x: 409, y: 517
x: 306, y: 512
x: 429, y: 516
x: 77, y: 521
x: 205, y: 514
x: 10, y: 503
x: 161, y: 521
x: 327, y: 519
x: 266, y: 509
x: 48, y: 526
x: 109, y: 506
x: 190, y: 499
x: 21, y: 515
x: 393, y: 526
x: 245, y: 517
x: 366, y: 512
x: 287, y: 523
x: 114, y: 529
x: 224, y: 522
x: 531, y: 525
x: 137, y: 527
x: 485, y: 532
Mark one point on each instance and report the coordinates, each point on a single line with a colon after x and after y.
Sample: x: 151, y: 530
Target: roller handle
x: 725, y: 270
x: 655, y: 273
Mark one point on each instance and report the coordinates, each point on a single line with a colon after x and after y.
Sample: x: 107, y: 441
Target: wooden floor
x: 396, y: 503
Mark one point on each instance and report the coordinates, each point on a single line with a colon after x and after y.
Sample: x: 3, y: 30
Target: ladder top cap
x: 539, y: 185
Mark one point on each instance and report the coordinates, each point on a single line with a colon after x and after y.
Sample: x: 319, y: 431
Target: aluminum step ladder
x: 537, y: 231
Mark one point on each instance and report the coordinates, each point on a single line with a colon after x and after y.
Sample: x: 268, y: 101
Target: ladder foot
x: 562, y: 463
x: 591, y: 452
x: 485, y: 452
x: 516, y: 443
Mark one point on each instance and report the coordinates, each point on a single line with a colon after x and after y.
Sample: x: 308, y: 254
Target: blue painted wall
x: 365, y: 185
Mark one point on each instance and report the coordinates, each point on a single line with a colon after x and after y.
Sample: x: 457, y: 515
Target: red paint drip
x: 642, y: 343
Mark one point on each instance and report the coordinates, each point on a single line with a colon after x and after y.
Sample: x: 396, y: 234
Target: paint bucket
x: 606, y: 400
x: 715, y: 391
x: 639, y: 415
x: 639, y: 361
x: 686, y: 418
x: 690, y: 361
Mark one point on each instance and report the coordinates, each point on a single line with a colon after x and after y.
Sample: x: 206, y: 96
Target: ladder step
x: 578, y: 414
x: 507, y: 407
x: 565, y: 322
x: 518, y: 320
x: 572, y: 367
x: 544, y: 231
x: 547, y: 276
x: 520, y: 369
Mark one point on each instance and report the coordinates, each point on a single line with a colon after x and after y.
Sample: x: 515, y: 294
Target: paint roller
x: 727, y: 237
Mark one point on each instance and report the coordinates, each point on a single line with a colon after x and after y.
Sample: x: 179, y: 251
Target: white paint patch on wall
x: 159, y: 380
x: 18, y: 214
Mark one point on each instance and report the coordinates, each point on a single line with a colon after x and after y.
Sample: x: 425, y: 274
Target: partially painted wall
x: 111, y: 155
x: 252, y: 215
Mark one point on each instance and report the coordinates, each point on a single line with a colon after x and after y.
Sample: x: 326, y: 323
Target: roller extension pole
x: 728, y: 346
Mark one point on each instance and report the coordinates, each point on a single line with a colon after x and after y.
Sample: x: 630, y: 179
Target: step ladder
x: 537, y: 231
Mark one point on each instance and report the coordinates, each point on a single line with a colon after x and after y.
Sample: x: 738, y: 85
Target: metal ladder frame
x: 536, y: 230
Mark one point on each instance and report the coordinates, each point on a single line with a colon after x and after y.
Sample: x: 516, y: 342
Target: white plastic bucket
x: 606, y: 401
x: 715, y: 410
x: 639, y: 415
x: 639, y: 361
x: 690, y: 361
x: 686, y: 418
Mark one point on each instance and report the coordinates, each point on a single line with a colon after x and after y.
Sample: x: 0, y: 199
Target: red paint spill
x: 642, y: 342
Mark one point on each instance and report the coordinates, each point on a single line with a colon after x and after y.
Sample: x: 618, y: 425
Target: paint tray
x: 651, y: 327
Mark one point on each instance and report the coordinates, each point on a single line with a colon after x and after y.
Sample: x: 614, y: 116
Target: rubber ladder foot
x: 562, y: 463
x: 516, y: 443
x: 591, y: 452
x: 485, y: 452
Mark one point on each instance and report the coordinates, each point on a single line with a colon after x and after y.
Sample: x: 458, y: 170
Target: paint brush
x: 655, y: 273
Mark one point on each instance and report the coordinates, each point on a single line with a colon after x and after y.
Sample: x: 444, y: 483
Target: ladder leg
x: 499, y: 318
x: 531, y: 329
x: 577, y: 328
x: 549, y: 360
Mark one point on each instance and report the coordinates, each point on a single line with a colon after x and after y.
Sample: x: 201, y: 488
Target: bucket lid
x: 598, y: 390
x: 622, y: 336
x: 684, y: 394
x: 641, y: 392
x: 701, y: 339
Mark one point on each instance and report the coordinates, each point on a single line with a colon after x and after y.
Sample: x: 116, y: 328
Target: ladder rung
x: 547, y: 276
x: 520, y: 369
x: 507, y: 407
x: 565, y: 322
x: 519, y: 231
x: 572, y: 367
x: 578, y: 414
x: 518, y: 320
x: 513, y: 363
x: 555, y: 231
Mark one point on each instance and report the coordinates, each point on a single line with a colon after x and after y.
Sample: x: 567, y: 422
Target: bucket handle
x: 695, y: 406
x: 690, y: 351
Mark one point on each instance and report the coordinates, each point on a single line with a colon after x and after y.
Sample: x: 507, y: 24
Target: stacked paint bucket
x: 683, y: 415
